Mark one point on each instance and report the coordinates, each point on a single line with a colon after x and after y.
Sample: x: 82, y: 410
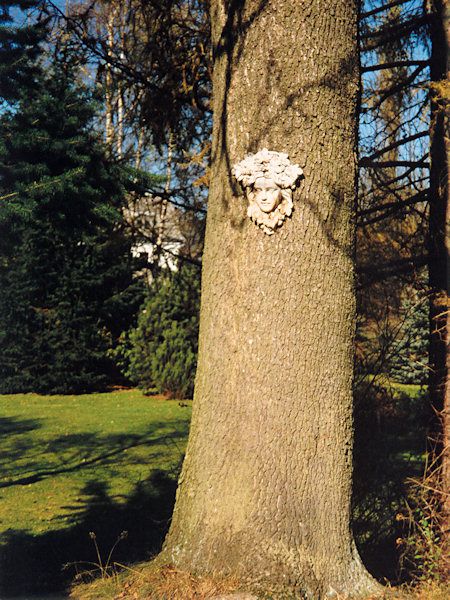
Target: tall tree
x: 153, y: 60
x: 419, y: 187
x: 439, y: 255
x: 266, y: 483
x: 65, y: 272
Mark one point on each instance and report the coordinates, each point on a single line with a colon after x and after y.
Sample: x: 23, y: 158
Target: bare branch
x: 398, y: 87
x: 397, y: 63
x: 394, y: 145
x: 395, y: 32
x: 368, y: 163
x: 391, y: 268
x: 389, y: 182
x: 419, y: 197
x: 379, y: 9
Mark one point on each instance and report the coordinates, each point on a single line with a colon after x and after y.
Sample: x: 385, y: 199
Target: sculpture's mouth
x: 266, y: 205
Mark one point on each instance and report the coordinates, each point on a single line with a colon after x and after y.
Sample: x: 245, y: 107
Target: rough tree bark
x: 439, y: 260
x: 266, y: 483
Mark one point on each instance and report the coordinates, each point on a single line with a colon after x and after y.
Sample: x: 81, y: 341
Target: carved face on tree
x: 266, y: 194
x: 268, y: 179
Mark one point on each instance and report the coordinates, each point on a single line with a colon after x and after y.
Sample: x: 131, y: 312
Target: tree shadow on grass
x: 28, y: 460
x: 14, y: 433
x: 15, y: 425
x: 48, y: 563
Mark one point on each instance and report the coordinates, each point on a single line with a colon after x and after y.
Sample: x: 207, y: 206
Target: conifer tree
x: 65, y: 271
x: 409, y: 358
x: 19, y: 47
x: 161, y: 351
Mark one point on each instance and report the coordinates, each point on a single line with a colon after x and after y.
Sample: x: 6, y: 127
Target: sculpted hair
x: 270, y: 164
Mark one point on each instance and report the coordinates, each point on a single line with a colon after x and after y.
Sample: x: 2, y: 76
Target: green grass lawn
x: 75, y: 464
x: 75, y: 468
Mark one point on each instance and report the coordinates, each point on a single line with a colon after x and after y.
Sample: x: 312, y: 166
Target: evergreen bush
x: 409, y: 354
x: 20, y: 46
x: 161, y: 352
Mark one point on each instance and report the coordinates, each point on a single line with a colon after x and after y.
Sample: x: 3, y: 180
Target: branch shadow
x: 14, y: 441
x: 73, y: 452
x: 49, y: 562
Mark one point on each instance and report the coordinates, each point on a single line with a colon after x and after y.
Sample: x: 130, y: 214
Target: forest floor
x: 147, y: 582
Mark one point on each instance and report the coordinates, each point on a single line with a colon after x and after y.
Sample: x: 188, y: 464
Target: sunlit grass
x: 52, y: 447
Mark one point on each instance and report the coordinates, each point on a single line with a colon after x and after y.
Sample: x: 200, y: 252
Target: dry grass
x: 423, y: 548
x: 152, y: 581
x: 424, y: 591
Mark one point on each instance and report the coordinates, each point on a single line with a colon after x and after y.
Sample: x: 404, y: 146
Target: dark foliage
x: 66, y: 266
x: 410, y: 351
x: 19, y: 46
x: 389, y: 450
x: 161, y: 352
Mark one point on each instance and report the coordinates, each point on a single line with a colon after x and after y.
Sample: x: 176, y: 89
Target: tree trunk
x: 439, y: 260
x: 109, y: 93
x: 266, y: 484
x: 157, y: 252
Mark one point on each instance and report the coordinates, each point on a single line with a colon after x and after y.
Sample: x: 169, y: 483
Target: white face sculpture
x: 268, y: 179
x: 266, y: 194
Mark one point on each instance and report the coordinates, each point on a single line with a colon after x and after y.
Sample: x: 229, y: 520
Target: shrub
x: 422, y: 543
x: 409, y: 354
x: 161, y: 352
